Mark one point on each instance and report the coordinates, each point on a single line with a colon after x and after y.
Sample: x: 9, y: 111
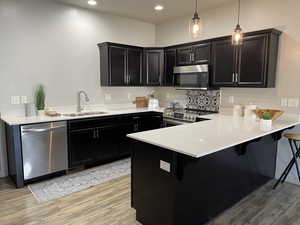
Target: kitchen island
x: 191, y: 173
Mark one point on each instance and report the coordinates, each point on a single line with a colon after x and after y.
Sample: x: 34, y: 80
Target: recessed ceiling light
x: 158, y: 7
x: 92, y: 2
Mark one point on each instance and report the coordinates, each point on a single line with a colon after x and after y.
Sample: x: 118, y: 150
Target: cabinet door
x: 201, y: 53
x: 134, y: 65
x: 117, y: 64
x: 252, y: 61
x: 107, y: 143
x: 154, y: 60
x: 82, y: 145
x: 224, y: 64
x: 124, y: 141
x: 170, y: 63
x: 184, y: 56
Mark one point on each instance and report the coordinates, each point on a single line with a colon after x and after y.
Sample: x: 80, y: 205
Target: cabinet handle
x: 94, y: 134
x: 233, y: 77
x: 98, y: 136
x: 236, y: 77
x: 136, y: 127
x: 193, y: 57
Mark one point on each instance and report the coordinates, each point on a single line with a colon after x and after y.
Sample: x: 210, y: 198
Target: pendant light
x: 195, y: 25
x: 237, y: 37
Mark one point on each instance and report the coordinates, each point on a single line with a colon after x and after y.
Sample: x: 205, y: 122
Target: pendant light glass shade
x: 237, y: 37
x: 195, y: 24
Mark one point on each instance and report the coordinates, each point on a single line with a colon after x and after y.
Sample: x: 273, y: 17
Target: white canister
x: 248, y: 112
x: 265, y: 125
x: 238, y: 110
x: 153, y: 104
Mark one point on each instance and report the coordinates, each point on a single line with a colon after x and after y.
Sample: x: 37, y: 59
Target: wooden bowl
x: 274, y: 113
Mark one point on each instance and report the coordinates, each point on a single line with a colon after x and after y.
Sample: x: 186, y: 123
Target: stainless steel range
x: 182, y: 116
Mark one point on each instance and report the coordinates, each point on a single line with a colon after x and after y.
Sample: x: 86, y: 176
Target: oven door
x: 191, y: 77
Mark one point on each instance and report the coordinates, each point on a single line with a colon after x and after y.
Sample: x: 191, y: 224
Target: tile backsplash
x: 203, y: 100
x: 262, y: 97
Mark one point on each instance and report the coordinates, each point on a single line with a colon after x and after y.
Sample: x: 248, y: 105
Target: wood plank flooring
x: 109, y: 204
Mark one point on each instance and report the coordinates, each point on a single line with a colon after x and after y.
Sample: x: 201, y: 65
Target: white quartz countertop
x: 207, y: 137
x: 22, y: 120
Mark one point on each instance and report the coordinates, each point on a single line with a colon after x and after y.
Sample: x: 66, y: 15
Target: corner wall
x: 255, y: 15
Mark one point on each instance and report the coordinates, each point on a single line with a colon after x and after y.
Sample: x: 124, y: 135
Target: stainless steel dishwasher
x: 44, y: 149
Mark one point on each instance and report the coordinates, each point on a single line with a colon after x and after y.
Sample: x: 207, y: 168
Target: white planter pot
x: 265, y: 125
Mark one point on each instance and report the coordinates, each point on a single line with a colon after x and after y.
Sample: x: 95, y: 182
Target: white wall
x: 255, y: 15
x: 44, y: 42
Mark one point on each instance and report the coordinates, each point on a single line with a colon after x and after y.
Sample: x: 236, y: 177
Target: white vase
x: 41, y: 112
x: 265, y: 125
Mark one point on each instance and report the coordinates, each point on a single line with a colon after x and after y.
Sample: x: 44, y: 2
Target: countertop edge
x: 133, y: 136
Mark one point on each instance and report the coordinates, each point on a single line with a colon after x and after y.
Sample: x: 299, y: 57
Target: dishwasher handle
x: 38, y: 130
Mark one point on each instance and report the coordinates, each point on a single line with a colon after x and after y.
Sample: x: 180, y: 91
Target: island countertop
x: 207, y: 137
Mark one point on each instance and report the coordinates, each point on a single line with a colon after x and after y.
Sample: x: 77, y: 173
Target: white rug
x: 65, y: 185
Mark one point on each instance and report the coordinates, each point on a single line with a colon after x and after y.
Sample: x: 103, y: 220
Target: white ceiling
x: 143, y: 9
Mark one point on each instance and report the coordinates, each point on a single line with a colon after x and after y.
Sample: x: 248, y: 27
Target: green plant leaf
x: 40, y: 98
x: 267, y: 116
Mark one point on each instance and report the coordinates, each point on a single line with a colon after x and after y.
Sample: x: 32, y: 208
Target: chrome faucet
x: 79, y: 103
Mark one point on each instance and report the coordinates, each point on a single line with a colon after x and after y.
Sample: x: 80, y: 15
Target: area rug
x: 68, y: 184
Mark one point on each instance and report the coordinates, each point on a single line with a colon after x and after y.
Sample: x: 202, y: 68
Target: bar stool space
x: 293, y: 138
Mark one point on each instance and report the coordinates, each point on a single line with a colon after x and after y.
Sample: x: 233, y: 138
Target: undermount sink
x: 83, y: 113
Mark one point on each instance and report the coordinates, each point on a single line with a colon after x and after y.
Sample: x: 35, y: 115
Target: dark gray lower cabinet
x: 104, y: 139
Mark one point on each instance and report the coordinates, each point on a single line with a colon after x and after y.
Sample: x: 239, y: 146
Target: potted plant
x: 266, y: 121
x: 40, y: 100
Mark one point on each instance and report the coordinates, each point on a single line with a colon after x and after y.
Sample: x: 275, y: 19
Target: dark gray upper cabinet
x: 170, y: 63
x: 153, y: 67
x: 252, y: 64
x: 120, y: 65
x: 135, y: 66
x: 194, y: 54
x: 252, y: 58
x: 223, y: 63
x: 117, y: 67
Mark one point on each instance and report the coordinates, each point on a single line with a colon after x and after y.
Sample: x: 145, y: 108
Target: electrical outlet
x: 165, y: 166
x: 24, y: 99
x: 168, y: 95
x: 15, y: 100
x: 107, y: 97
x: 293, y: 102
x: 231, y: 99
x: 129, y: 96
x: 284, y: 102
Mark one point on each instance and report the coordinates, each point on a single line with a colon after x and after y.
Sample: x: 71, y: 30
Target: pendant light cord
x: 196, y: 9
x: 239, y: 11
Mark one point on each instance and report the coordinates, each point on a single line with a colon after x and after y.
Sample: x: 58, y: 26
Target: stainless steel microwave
x: 191, y: 77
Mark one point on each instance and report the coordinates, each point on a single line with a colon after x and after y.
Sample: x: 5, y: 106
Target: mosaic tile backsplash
x: 204, y: 100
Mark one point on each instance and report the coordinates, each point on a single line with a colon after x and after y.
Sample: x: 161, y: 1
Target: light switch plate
x: 165, y: 166
x: 107, y: 97
x: 231, y: 99
x: 24, y: 99
x: 293, y: 102
x: 15, y: 100
x: 284, y: 102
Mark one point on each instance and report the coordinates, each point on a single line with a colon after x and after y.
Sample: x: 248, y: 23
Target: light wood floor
x: 109, y: 204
